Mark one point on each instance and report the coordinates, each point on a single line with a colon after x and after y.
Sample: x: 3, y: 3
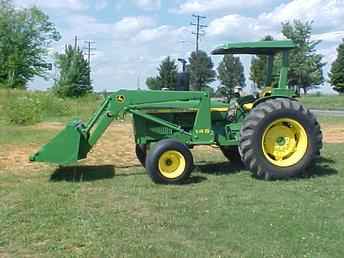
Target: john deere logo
x: 120, y: 98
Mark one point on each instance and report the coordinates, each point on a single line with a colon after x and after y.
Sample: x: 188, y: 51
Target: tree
x: 167, y: 77
x: 201, y: 70
x: 231, y: 73
x: 25, y: 35
x: 258, y: 69
x: 74, y: 73
x: 153, y: 83
x: 337, y: 70
x: 305, y: 65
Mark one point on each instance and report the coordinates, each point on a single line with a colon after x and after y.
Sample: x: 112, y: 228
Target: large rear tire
x: 169, y: 162
x: 141, y: 153
x: 231, y: 153
x: 279, y: 139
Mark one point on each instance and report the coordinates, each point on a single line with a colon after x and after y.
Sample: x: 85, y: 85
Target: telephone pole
x: 75, y: 42
x: 89, y: 48
x: 199, y: 32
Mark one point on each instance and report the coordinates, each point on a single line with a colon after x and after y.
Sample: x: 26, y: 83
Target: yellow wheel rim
x: 285, y: 142
x: 172, y: 164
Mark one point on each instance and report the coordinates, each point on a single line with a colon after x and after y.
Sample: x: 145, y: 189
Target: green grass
x: 324, y: 102
x: 109, y: 212
x: 52, y: 107
x: 105, y: 211
x: 24, y: 134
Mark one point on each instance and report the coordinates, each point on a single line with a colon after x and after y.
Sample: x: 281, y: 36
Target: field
x: 108, y: 207
x: 324, y: 102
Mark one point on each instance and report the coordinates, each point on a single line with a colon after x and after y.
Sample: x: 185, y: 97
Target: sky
x: 133, y: 36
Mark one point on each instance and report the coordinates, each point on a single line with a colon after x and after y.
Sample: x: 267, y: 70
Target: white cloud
x: 147, y: 4
x: 201, y: 6
x: 54, y: 4
x: 326, y: 14
x: 235, y: 26
x: 130, y: 26
x: 164, y: 33
x: 101, y: 4
x: 333, y: 36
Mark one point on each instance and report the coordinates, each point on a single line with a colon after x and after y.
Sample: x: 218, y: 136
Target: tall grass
x: 24, y: 107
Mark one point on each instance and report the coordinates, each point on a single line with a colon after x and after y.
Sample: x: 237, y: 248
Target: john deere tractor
x: 273, y: 134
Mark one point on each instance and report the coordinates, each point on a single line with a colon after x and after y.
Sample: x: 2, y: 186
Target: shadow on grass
x: 221, y: 168
x: 321, y: 168
x: 194, y: 180
x: 88, y: 173
x: 83, y: 173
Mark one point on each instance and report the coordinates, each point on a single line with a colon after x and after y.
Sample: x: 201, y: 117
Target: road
x: 339, y: 113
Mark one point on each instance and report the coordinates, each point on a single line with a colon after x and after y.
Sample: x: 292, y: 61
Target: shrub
x: 23, y: 110
x: 54, y: 106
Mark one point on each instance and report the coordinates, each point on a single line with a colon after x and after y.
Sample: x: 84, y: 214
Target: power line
x: 89, y: 48
x: 199, y: 32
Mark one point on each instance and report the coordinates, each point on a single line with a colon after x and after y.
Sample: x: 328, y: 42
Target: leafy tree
x: 168, y: 73
x: 153, y: 83
x: 74, y: 78
x: 305, y: 65
x: 337, y: 70
x: 231, y: 73
x: 25, y: 35
x: 258, y: 69
x: 201, y: 70
x: 167, y: 77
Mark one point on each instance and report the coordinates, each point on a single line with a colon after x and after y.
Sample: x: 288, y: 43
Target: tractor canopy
x: 255, y: 48
x: 268, y: 48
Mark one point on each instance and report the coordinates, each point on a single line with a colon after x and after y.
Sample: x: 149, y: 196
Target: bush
x: 54, y: 106
x: 23, y: 110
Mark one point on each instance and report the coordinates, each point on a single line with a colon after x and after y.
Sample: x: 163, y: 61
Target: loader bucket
x: 69, y: 146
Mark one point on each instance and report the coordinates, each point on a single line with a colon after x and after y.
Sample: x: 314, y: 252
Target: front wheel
x: 169, y: 162
x: 279, y: 139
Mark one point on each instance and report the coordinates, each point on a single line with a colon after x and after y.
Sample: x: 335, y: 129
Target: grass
x: 106, y: 211
x: 24, y: 134
x: 324, y: 102
x: 109, y: 212
x: 330, y: 120
x: 52, y: 107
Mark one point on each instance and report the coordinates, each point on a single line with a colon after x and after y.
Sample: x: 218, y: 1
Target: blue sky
x: 133, y: 36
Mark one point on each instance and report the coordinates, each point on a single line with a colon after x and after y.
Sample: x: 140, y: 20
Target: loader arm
x: 77, y: 139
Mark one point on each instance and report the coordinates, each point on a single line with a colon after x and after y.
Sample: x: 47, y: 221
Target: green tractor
x: 273, y: 135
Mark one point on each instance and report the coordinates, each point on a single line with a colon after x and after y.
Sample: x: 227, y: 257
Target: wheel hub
x: 284, y: 142
x: 172, y: 164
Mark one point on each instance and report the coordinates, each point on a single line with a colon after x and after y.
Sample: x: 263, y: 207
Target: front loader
x: 273, y: 134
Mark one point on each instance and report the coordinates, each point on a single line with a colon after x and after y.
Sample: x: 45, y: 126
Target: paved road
x: 328, y: 112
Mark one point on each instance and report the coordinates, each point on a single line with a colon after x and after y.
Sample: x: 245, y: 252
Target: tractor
x: 272, y: 134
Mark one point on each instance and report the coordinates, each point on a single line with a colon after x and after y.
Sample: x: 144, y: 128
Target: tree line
x: 305, y: 66
x: 27, y: 34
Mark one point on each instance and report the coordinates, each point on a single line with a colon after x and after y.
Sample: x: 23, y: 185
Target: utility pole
x: 89, y: 53
x: 199, y: 28
x: 75, y: 42
x: 89, y: 50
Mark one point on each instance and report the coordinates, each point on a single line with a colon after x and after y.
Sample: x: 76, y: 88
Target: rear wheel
x: 279, y: 139
x: 169, y: 162
x: 141, y: 153
x: 231, y: 153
